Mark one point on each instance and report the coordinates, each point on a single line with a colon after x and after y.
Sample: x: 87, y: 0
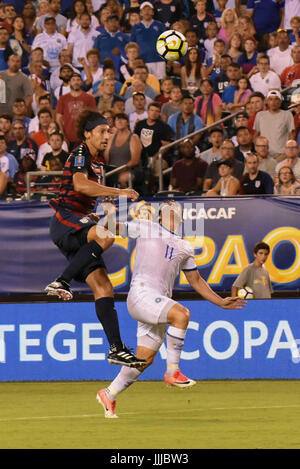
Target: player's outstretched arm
x: 202, y: 287
x: 92, y: 189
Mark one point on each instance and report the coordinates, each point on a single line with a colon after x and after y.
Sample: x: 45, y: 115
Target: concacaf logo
x: 142, y: 210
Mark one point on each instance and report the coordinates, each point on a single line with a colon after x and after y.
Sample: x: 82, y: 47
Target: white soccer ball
x: 246, y: 293
x: 171, y: 45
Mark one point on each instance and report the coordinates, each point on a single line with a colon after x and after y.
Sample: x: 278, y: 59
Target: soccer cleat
x: 179, y: 380
x: 61, y: 289
x: 108, y: 405
x: 124, y: 356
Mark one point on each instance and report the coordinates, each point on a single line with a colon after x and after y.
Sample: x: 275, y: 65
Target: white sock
x: 123, y: 380
x: 175, y: 341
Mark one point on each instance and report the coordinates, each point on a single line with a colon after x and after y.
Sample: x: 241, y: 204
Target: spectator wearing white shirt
x: 51, y: 42
x: 264, y: 79
x: 82, y: 40
x: 280, y: 56
x: 44, y: 102
x: 140, y: 113
x: 96, y: 71
x: 54, y: 11
x: 78, y: 8
x: 64, y: 57
x: 66, y: 72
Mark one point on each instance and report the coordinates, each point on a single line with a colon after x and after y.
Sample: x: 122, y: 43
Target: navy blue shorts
x: 69, y: 233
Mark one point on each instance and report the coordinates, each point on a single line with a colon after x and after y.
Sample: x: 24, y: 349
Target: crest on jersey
x: 142, y: 210
x: 79, y: 161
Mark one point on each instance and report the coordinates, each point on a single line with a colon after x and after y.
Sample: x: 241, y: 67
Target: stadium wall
x: 223, y: 232
x: 64, y: 341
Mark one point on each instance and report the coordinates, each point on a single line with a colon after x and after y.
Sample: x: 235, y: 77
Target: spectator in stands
x: 6, y: 126
x: 140, y: 113
x: 17, y: 85
x: 152, y: 88
x: 66, y: 72
x: 9, y: 15
x: 51, y: 41
x: 108, y: 73
x: 145, y: 34
x: 132, y: 52
x: 287, y: 184
x: 257, y: 102
x: 188, y: 171
x: 165, y: 91
x: 280, y: 56
x: 266, y: 15
x: 193, y: 71
x: 68, y: 108
x: 93, y: 74
x: 219, y: 10
x: 54, y: 12
x: 8, y: 163
x: 19, y: 112
x: 27, y: 164
x: 20, y: 40
x: 275, y: 124
x: 291, y: 73
x: 45, y: 147
x: 235, y: 47
x: 55, y: 141
x: 246, y: 27
x: 20, y: 145
x: 124, y: 148
x: 106, y: 98
x: 64, y: 57
x: 291, y: 153
x: 245, y: 144
x: 233, y: 73
x: 212, y: 174
x: 73, y: 22
x: 221, y: 80
x: 241, y: 95
x: 82, y: 40
x: 45, y: 117
x: 213, y: 65
x: 209, y: 105
x: 262, y: 78
x: 153, y: 134
x: 216, y: 138
x: 5, y: 49
x: 200, y: 20
x: 255, y: 181
x: 173, y: 105
x: 229, y: 24
x: 137, y: 86
x: 185, y: 122
x: 111, y: 43
x: 227, y: 185
x: 168, y: 11
x: 266, y: 162
x: 29, y: 16
x: 110, y: 117
x: 240, y: 120
x: 211, y: 35
x: 44, y: 102
x: 52, y: 183
x: 132, y: 8
x: 249, y: 58
x: 295, y: 27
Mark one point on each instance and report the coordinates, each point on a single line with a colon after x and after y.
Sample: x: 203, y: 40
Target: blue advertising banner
x: 222, y: 231
x: 44, y: 341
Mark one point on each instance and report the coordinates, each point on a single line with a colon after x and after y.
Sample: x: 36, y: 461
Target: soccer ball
x: 246, y: 293
x: 171, y: 45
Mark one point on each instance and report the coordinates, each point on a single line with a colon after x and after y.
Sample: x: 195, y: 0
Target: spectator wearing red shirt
x: 257, y: 101
x: 292, y: 72
x: 69, y: 107
x: 188, y: 172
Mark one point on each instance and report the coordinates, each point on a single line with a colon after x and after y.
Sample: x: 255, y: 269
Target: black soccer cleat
x: 123, y: 356
x: 61, y: 289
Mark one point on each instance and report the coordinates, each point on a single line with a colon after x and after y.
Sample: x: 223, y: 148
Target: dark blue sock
x: 108, y: 317
x: 83, y: 257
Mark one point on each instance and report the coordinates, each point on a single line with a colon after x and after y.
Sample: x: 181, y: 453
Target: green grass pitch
x: 212, y: 414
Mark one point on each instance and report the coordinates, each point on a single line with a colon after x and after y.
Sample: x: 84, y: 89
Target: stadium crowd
x: 58, y: 57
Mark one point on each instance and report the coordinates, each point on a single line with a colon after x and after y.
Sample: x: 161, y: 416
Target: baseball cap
x: 226, y: 162
x: 295, y: 100
x: 146, y: 4
x: 242, y: 114
x: 275, y: 93
x: 69, y: 66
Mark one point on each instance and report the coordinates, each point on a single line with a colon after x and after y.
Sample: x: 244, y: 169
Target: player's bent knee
x: 179, y: 316
x: 103, y: 237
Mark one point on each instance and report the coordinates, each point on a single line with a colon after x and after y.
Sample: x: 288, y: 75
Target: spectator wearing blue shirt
x: 266, y: 14
x: 145, y: 34
x: 5, y: 49
x: 185, y: 122
x: 233, y: 73
x: 248, y: 59
x: 255, y: 181
x: 8, y: 163
x: 111, y: 43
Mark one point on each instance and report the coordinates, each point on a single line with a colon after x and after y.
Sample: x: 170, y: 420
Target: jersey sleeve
x: 79, y: 161
x: 189, y: 261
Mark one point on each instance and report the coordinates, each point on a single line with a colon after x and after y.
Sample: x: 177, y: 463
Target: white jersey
x: 160, y: 255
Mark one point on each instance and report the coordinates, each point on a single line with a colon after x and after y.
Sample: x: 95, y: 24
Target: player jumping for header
x: 76, y: 234
x: 160, y: 254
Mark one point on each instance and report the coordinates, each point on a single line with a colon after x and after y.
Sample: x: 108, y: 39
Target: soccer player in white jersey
x: 160, y: 254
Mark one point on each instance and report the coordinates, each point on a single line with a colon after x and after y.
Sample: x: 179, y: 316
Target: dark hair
x: 23, y: 31
x: 263, y: 56
x: 261, y: 245
x: 292, y: 174
x: 188, y: 63
x: 7, y: 117
x: 216, y: 129
x: 242, y: 128
x: 84, y: 117
x: 58, y: 133
x: 72, y: 13
x: 257, y: 94
x: 154, y: 104
x: 44, y: 110
x: 44, y: 96
x: 244, y: 77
